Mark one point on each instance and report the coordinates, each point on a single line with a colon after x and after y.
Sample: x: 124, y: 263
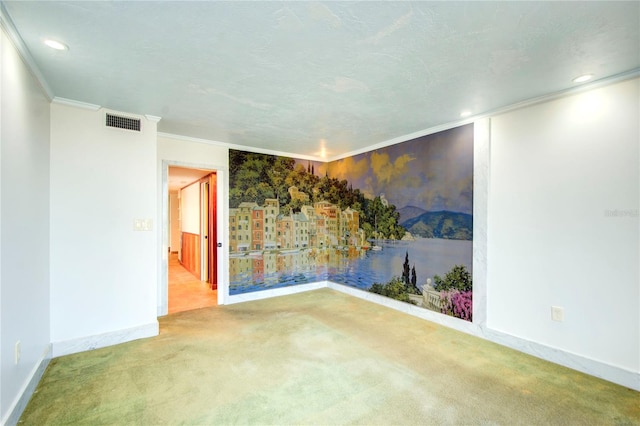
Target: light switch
x: 143, y: 224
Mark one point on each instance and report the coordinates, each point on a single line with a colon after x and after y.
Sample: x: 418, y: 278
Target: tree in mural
x: 383, y: 220
x: 394, y: 289
x: 414, y: 280
x: 301, y: 179
x: 249, y: 179
x: 458, y: 278
x: 409, y: 277
x: 406, y: 273
x: 255, y: 177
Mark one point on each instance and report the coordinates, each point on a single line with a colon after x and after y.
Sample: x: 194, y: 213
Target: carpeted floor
x: 319, y: 357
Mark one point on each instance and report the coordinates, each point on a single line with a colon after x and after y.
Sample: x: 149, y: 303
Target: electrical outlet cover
x: 557, y: 313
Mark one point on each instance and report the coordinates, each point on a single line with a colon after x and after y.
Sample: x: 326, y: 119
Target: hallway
x: 186, y: 292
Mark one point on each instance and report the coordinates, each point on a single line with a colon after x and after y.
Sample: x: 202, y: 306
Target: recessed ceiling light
x: 55, y: 44
x: 465, y: 114
x: 583, y: 78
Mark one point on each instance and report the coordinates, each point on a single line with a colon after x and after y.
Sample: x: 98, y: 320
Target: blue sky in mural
x: 434, y: 172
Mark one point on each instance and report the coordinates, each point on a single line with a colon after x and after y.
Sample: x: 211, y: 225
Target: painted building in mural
x: 254, y: 228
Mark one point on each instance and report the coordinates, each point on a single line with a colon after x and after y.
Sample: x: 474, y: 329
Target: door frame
x: 204, y: 229
x: 163, y: 231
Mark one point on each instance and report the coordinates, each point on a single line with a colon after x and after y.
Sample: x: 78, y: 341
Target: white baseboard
x: 88, y: 343
x: 416, y: 311
x: 602, y: 370
x: 611, y: 373
x: 22, y: 399
x: 281, y: 291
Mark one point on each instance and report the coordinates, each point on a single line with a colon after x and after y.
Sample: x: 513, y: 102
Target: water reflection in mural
x: 357, y: 268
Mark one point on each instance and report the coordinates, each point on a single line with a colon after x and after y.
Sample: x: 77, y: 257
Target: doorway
x: 192, y: 254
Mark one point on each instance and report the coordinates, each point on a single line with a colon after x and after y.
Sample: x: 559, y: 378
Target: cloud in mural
x: 349, y: 168
x: 367, y: 188
x: 386, y: 171
x: 443, y: 187
x: 320, y: 168
x: 434, y: 172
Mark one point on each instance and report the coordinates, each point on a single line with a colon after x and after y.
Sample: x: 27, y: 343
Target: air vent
x: 121, y: 122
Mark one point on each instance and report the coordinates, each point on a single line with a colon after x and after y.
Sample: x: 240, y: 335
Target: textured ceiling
x: 300, y: 77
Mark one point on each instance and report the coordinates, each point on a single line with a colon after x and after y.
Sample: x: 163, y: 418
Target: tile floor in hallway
x: 186, y: 291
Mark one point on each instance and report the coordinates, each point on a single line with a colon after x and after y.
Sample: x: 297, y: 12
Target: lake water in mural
x: 356, y: 268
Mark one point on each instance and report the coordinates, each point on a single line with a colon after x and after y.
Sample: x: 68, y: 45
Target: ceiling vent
x: 121, y: 122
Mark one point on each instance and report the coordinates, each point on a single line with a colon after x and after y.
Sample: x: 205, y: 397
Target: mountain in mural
x: 440, y: 224
x: 409, y: 212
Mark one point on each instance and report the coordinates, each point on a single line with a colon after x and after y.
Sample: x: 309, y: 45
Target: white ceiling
x: 300, y: 77
x: 179, y: 177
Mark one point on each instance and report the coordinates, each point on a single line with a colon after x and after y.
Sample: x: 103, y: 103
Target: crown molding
x: 492, y: 113
x: 404, y: 138
x: 76, y: 104
x: 580, y: 88
x: 153, y: 118
x: 634, y: 73
x: 192, y: 139
x: 241, y: 147
x: 12, y: 33
x: 94, y: 107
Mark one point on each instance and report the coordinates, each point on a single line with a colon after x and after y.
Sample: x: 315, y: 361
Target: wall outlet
x: 17, y: 350
x: 557, y: 313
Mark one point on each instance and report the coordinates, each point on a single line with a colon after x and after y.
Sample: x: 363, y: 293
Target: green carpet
x: 319, y: 357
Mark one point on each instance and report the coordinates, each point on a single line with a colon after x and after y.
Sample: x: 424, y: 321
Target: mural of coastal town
x: 396, y: 221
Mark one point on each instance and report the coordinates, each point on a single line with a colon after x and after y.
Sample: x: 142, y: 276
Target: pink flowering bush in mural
x: 457, y: 303
x: 456, y: 292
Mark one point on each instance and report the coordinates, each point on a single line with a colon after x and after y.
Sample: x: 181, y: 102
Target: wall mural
x: 396, y: 221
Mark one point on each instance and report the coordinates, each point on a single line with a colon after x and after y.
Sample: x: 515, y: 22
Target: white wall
x: 24, y: 231
x: 200, y: 155
x: 192, y: 153
x: 190, y: 208
x: 557, y: 171
x: 103, y: 272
